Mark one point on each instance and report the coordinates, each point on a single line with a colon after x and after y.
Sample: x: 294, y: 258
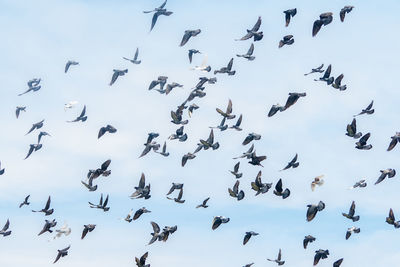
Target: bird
x: 247, y: 236
x: 32, y: 148
x: 235, y: 171
x: 248, y: 154
x: 89, y: 185
x: 142, y: 190
x: 320, y: 254
x: 361, y: 183
x: 191, y: 108
x: 362, y: 143
x: 41, y: 134
x: 64, y: 230
x: 236, y: 126
x: 279, y: 190
x: 102, y: 205
x: 337, y: 84
x: 82, y: 117
x: 278, y: 260
x: 177, y: 118
x: 203, y: 204
x: 47, y: 226
x: 164, y: 150
x: 161, y: 235
x: 209, y: 143
x: 150, y: 144
x: 86, y: 229
x: 317, y: 181
x: 102, y: 171
x: 350, y: 215
x: 179, y: 198
x: 4, y: 231
x: 68, y: 65
x: 338, y: 263
x: 324, y: 19
x: 25, y: 202
x: 228, y: 113
x: 218, y: 220
x: 256, y: 160
x: 253, y: 33
x: 191, y: 52
x: 368, y: 110
x: 36, y: 126
x: 249, y: 264
x: 70, y: 105
x: 234, y: 192
x: 308, y: 239
x: 249, y: 55
x: 344, y: 10
x: 394, y: 141
x: 352, y: 130
x: 227, y: 69
x: 316, y: 70
x: 327, y: 76
x: 186, y: 157
x: 175, y: 186
x: 116, y: 74
x: 259, y: 186
x: 292, y: 99
x: 287, y: 40
x: 292, y: 164
x: 391, y: 220
x: 2, y: 170
x: 140, y: 212
x: 142, y: 261
x: 33, y: 85
x: 386, y: 173
x: 171, y: 86
x: 352, y: 230
x: 135, y: 58
x: 250, y: 137
x: 222, y: 126
x: 158, y: 12
x: 188, y: 34
x: 46, y: 210
x: 161, y: 80
x: 62, y: 253
x: 18, y: 111
x: 274, y: 109
x: 179, y: 135
x: 313, y: 209
x: 290, y: 13
x: 204, y: 67
x: 103, y: 130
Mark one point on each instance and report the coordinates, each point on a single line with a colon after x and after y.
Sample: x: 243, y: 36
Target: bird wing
x: 352, y: 209
x: 316, y: 27
x: 67, y: 66
x: 180, y: 194
x: 287, y: 18
x: 155, y: 226
x: 342, y: 14
x: 185, y: 38
x: 114, y: 77
x: 142, y: 181
x: 48, y: 203
x: 229, y: 107
x: 83, y: 111
x: 136, y: 54
x: 256, y: 26
x: 236, y: 167
x: 392, y: 144
x: 278, y: 186
x: 229, y: 67
x: 370, y: 105
x: 105, y: 165
x: 251, y: 50
x: 84, y: 232
x: 105, y: 202
x: 246, y: 238
x: 154, y: 20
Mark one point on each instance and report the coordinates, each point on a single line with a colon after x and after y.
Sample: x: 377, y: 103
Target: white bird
x: 317, y: 181
x: 203, y: 67
x: 70, y: 104
x: 64, y: 230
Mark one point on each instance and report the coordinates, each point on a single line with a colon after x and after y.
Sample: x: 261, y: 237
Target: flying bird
x: 234, y: 192
x: 249, y: 55
x: 290, y: 13
x: 256, y: 160
x: 142, y: 261
x: 394, y: 141
x: 317, y: 181
x: 186, y: 157
x: 35, y: 126
x: 227, y: 69
x: 102, y: 171
x: 362, y: 143
x: 287, y: 40
x: 361, y: 183
x: 343, y: 11
x: 69, y: 64
x: 228, y: 113
x: 175, y: 186
x: 352, y: 130
x: 259, y: 186
x: 338, y: 263
x: 392, y: 220
x: 236, y: 172
x: 204, y: 67
x: 70, y: 104
x: 350, y: 215
x: 251, y: 137
x: 188, y: 34
x: 102, y: 205
x: 116, y: 74
x: 62, y: 253
x: 161, y: 10
x: 86, y: 229
x: 337, y: 84
x: 390, y: 173
x: 278, y: 260
x: 82, y: 117
x: 32, y: 148
x: 218, y: 220
x: 142, y: 190
x: 351, y: 230
x: 103, y: 130
x: 18, y: 111
x: 316, y: 70
x: 253, y: 33
x: 140, y: 212
x: 292, y: 99
x: 2, y: 170
x: 4, y: 231
x: 236, y: 126
x: 135, y: 58
x: 47, y: 226
x: 279, y: 190
x: 327, y: 76
x: 64, y: 230
x: 33, y: 86
x: 191, y: 52
x: 179, y: 198
x: 274, y: 109
x: 41, y: 134
x: 313, y: 209
x: 203, y: 204
x: 247, y: 236
x: 368, y: 110
x: 248, y: 154
x: 25, y: 202
x: 222, y: 126
x: 324, y: 19
x: 292, y: 164
x: 320, y: 254
x: 161, y: 80
x: 46, y: 210
x: 308, y: 239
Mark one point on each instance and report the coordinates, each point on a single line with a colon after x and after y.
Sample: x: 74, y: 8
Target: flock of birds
x: 161, y: 85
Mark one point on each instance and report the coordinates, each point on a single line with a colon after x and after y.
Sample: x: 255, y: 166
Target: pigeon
x: 46, y: 210
x: 64, y: 230
x: 320, y: 254
x: 172, y: 86
x: 116, y: 74
x: 253, y: 33
x: 279, y: 259
x: 89, y: 185
x: 290, y: 13
x: 337, y: 84
x: 317, y: 181
x: 228, y: 113
x: 360, y: 184
x: 179, y: 198
x: 106, y: 129
x: 248, y: 265
x: 316, y: 70
x: 186, y: 157
x: 134, y: 60
x: 249, y: 55
x: 35, y: 126
x: 292, y: 99
x: 308, y: 239
x: 362, y: 143
x: 338, y: 263
x: 352, y: 130
x: 236, y: 126
x: 292, y: 164
x: 175, y: 186
x: 218, y: 220
x: 351, y: 230
x: 274, y: 109
x: 203, y: 204
x: 324, y: 19
x: 235, y: 171
x: 33, y: 85
x: 148, y: 147
x: 47, y: 226
x: 350, y: 215
x: 222, y: 126
x: 177, y: 118
x: 256, y: 160
x: 394, y: 141
x: 4, y: 231
x: 142, y: 190
x: 161, y: 80
x: 102, y: 171
x: 142, y: 261
x: 368, y: 110
x: 234, y: 192
x: 191, y: 108
x: 188, y: 34
x: 209, y: 143
x: 204, y: 67
x: 386, y: 173
x: 41, y: 134
x: 164, y: 150
x: 161, y: 236
x: 326, y: 77
x: 25, y: 202
x: 102, y: 205
x: 139, y: 213
x: 191, y: 53
x: 82, y: 117
x: 279, y: 190
x: 86, y: 229
x: 259, y: 186
x: 2, y: 170
x: 18, y: 111
x: 68, y: 65
x: 32, y: 148
x: 227, y: 69
x: 157, y: 12
x: 343, y: 11
x: 247, y: 236
x: 391, y: 220
x: 62, y: 253
x: 287, y: 40
x: 248, y: 154
x: 250, y: 137
x: 313, y: 209
x: 70, y: 104
x: 178, y: 135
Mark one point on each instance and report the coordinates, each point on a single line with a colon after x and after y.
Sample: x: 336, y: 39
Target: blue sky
x: 40, y: 37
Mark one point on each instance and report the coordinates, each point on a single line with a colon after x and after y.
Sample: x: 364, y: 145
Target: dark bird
x: 203, y: 204
x: 351, y: 230
x: 251, y: 137
x: 191, y: 108
x: 395, y: 140
x: 247, y: 236
x: 179, y: 198
x: 32, y: 148
x: 18, y: 111
x: 142, y: 261
x: 279, y: 190
x: 33, y: 85
x: 188, y: 34
x: 316, y: 70
x: 102, y: 171
x: 292, y: 164
x: 274, y: 109
x: 161, y: 80
x: 68, y: 65
x: 47, y: 211
x: 338, y: 263
x: 175, y: 186
x: 191, y: 53
x: 287, y: 40
x: 142, y: 190
x: 279, y: 259
x: 116, y: 74
x: 249, y: 55
x: 209, y: 143
x: 361, y: 183
x: 178, y: 135
x: 257, y: 35
x: 248, y: 154
x: 392, y: 220
x: 47, y: 226
x: 320, y: 254
x: 135, y: 58
x: 103, y: 130
x: 313, y: 209
x: 25, y: 202
x: 86, y: 229
x: 259, y: 186
x: 89, y: 185
x: 157, y: 12
x: 62, y: 253
x: 171, y: 86
x: 139, y: 213
x: 337, y: 84
x: 164, y: 150
x: 177, y: 118
x: 102, y: 205
x: 350, y: 215
x: 41, y: 134
x: 222, y: 126
x: 368, y: 110
x: 256, y: 160
x: 227, y: 69
x: 161, y: 235
x: 236, y: 172
x: 327, y: 76
x: 228, y: 113
x: 292, y: 99
x: 2, y: 170
x: 82, y: 117
x: 236, y: 126
x: 308, y: 239
x: 343, y: 11
x: 249, y: 264
x: 36, y: 126
x: 386, y: 173
x: 4, y: 231
x: 148, y: 147
x: 352, y: 130
x: 186, y: 157
x: 324, y: 19
x: 290, y: 13
x: 362, y: 143
x: 218, y: 220
x: 234, y: 192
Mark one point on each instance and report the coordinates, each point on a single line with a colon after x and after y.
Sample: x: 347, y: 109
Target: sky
x: 39, y: 37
